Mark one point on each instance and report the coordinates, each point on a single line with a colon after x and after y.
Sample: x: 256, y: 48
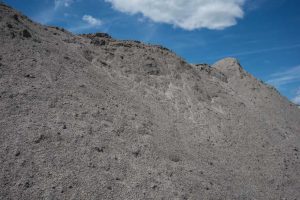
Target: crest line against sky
x: 263, y: 34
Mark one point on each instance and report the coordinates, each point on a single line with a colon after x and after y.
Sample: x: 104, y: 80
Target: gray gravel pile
x: 91, y: 117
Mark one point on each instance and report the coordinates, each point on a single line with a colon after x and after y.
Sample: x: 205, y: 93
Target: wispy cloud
x: 265, y: 50
x: 258, y: 51
x: 255, y: 4
x: 45, y: 16
x: 62, y: 3
x: 287, y: 80
x: 291, y: 75
x: 49, y: 14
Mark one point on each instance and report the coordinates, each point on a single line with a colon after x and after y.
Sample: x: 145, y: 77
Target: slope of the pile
x: 90, y: 117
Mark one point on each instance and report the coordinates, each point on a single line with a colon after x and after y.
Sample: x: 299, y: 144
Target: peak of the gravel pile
x: 92, y: 117
x: 230, y: 67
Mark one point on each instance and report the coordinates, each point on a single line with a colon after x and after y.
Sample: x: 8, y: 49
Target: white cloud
x: 91, y: 20
x: 291, y: 75
x: 186, y: 14
x: 296, y: 99
x: 62, y: 3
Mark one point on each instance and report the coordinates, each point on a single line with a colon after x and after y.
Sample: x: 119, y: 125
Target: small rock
x: 41, y: 138
x: 99, y: 149
x: 174, y: 158
x: 98, y: 42
x: 9, y: 25
x: 154, y: 187
x: 15, y: 16
x: 27, y: 184
x: 17, y: 153
x: 26, y: 33
x: 29, y: 76
x: 136, y: 153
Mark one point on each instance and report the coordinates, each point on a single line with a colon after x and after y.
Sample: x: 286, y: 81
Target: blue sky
x: 263, y: 34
